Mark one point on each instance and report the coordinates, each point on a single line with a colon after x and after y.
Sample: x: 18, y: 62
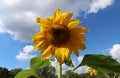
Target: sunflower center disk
x: 59, y: 34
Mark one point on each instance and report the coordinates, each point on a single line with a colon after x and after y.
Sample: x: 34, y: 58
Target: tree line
x: 50, y: 72
x: 5, y: 73
x: 47, y: 72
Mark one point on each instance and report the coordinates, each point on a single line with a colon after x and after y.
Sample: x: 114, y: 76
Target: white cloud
x: 80, y: 58
x: 28, y: 49
x: 26, y: 53
x: 81, y: 69
x: 97, y: 5
x: 115, y: 51
x: 9, y: 3
x: 1, y: 23
x: 24, y: 56
x: 106, y: 50
x: 18, y: 16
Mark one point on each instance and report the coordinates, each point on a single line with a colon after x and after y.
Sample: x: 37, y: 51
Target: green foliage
x: 47, y: 72
x: 13, y: 72
x: 37, y: 63
x: 26, y: 73
x: 101, y: 63
x: 41, y: 68
x: 76, y: 75
x: 4, y: 73
x: 69, y: 62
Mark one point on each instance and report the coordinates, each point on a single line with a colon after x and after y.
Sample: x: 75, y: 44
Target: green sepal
x: 69, y: 62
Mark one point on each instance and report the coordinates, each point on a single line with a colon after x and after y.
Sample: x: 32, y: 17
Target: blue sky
x: 104, y: 28
x: 17, y: 25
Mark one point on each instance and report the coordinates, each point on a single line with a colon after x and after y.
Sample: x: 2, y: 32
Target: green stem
x: 106, y: 75
x: 60, y: 71
x: 114, y: 75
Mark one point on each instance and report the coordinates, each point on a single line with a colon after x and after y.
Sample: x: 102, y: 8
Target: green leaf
x: 69, y: 62
x: 26, y: 73
x: 100, y: 62
x: 37, y: 63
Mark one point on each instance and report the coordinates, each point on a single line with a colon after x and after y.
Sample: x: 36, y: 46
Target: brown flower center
x: 58, y: 34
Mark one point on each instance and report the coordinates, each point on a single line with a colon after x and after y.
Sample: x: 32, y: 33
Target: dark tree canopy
x: 5, y: 73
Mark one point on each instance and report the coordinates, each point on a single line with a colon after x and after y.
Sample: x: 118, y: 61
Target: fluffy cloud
x: 28, y: 49
x: 24, y: 56
x: 81, y: 69
x: 17, y: 17
x: 97, y: 5
x: 115, y: 51
x: 26, y: 53
x: 1, y: 29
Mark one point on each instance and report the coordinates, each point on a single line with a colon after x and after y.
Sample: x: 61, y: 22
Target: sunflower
x: 59, y: 36
x: 92, y: 71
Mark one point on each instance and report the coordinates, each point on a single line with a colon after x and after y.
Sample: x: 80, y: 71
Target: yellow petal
x: 41, y: 20
x: 81, y: 37
x: 50, y: 19
x: 62, y: 19
x: 83, y: 30
x: 74, y: 22
x: 82, y: 46
x: 39, y: 37
x: 76, y: 52
x: 76, y: 35
x: 41, y: 45
x: 75, y: 41
x: 47, y: 53
x: 59, y: 57
x: 95, y: 72
x: 38, y: 45
x: 79, y: 29
x: 67, y: 18
x: 62, y: 54
x: 57, y: 15
x: 91, y: 73
x: 74, y: 47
